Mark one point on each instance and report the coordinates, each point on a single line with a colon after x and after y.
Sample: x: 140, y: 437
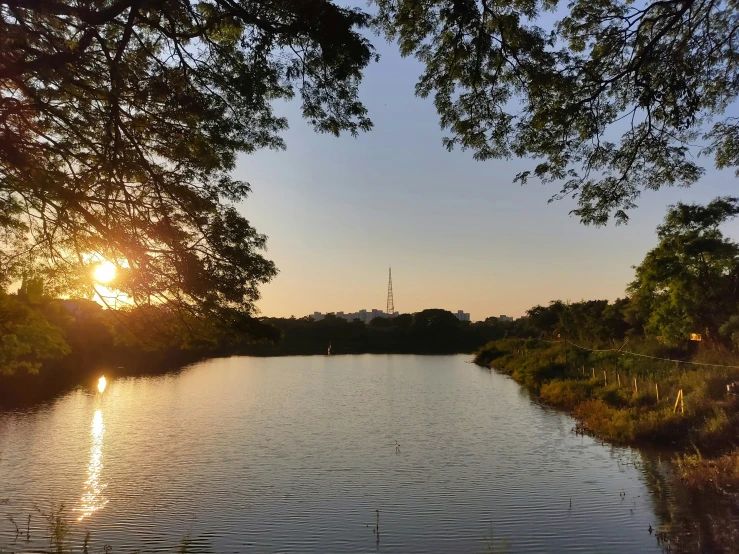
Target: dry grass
x: 721, y: 474
x: 612, y: 408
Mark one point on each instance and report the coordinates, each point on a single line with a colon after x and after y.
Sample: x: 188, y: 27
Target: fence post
x: 656, y: 387
x: 636, y: 386
x: 682, y: 404
x: 678, y: 401
x: 605, y: 378
x: 593, y: 372
x: 618, y: 376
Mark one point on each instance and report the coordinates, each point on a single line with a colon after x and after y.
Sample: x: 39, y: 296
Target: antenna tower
x: 390, y: 305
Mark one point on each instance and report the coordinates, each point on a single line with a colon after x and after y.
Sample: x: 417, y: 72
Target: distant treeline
x: 48, y: 344
x: 433, y: 331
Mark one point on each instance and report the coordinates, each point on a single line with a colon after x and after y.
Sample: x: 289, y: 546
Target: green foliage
x: 26, y: 337
x: 122, y: 121
x: 566, y: 394
x: 69, y: 336
x: 655, y: 73
x: 546, y: 319
x: 58, y: 528
x: 431, y: 331
x: 688, y: 283
x: 616, y: 412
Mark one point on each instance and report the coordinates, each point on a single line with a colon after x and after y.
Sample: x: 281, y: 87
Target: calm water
x: 296, y: 454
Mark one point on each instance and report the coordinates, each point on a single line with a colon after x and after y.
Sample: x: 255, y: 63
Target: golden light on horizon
x: 102, y: 383
x: 104, y: 272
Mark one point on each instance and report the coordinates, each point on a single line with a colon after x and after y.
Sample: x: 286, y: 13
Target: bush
x: 607, y: 422
x: 720, y: 474
x: 566, y: 394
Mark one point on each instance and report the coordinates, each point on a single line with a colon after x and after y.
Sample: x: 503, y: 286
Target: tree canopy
x: 120, y: 122
x: 531, y: 78
x: 26, y: 337
x: 689, y: 282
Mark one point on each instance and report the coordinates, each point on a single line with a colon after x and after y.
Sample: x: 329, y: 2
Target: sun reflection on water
x: 92, y: 498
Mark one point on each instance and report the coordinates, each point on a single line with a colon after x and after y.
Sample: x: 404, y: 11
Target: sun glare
x: 102, y: 384
x: 104, y: 272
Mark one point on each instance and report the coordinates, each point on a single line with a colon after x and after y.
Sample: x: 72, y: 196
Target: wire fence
x: 620, y: 351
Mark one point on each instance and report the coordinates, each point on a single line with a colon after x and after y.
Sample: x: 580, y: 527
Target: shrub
x: 565, y: 394
x: 720, y: 474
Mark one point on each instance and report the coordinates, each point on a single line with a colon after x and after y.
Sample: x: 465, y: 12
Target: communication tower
x: 390, y: 305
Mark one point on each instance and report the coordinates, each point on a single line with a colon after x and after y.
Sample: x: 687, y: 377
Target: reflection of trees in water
x: 694, y: 521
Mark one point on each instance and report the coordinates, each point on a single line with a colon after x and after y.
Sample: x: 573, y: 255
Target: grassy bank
x: 628, y: 399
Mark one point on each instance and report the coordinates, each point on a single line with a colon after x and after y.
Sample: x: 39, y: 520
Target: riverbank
x: 635, y: 400
x: 89, y: 341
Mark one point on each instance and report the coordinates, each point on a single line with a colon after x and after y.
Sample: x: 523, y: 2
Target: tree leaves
x: 688, y: 283
x: 121, y: 122
x: 654, y: 74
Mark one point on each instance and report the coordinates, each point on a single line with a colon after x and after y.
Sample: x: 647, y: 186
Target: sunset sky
x: 459, y: 234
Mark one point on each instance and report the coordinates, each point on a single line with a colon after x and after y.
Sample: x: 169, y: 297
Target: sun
x: 102, y: 383
x: 104, y: 272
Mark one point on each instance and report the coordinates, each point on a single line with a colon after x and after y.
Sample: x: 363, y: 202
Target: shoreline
x: 25, y: 390
x: 709, y: 473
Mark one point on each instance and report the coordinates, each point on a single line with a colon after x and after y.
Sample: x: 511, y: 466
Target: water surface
x: 297, y: 454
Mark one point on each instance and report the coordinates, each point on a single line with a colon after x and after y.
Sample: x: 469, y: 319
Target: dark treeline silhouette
x: 432, y: 331
x: 48, y: 344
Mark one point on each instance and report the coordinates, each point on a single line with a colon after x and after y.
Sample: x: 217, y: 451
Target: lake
x: 298, y: 454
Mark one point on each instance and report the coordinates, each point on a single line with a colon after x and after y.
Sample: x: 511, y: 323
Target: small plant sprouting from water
x: 60, y: 534
x: 58, y: 528
x: 17, y: 531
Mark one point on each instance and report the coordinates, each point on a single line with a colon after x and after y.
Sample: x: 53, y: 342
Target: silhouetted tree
x: 381, y: 323
x: 120, y: 122
x: 545, y: 319
x: 656, y: 73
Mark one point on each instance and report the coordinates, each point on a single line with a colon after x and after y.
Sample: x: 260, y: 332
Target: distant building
x: 505, y: 318
x: 462, y: 316
x: 365, y: 316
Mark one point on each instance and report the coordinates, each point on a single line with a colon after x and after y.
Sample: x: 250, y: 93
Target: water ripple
x: 297, y: 454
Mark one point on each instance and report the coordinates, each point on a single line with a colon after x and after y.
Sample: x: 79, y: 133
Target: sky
x: 458, y: 233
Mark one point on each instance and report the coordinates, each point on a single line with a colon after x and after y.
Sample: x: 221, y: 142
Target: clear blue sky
x: 458, y: 233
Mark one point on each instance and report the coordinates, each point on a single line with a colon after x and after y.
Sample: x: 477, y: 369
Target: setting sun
x: 102, y: 384
x: 104, y: 272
